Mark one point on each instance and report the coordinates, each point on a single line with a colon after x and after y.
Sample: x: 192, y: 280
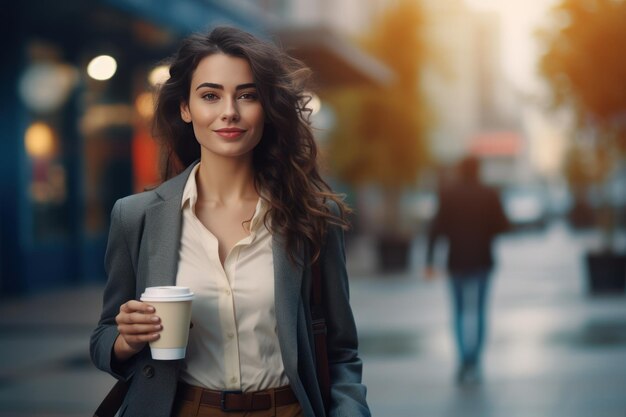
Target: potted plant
x: 586, y: 72
x: 379, y: 139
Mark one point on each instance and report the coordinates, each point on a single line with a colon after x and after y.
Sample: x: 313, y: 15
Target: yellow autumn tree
x: 381, y: 130
x: 583, y: 63
x: 585, y: 69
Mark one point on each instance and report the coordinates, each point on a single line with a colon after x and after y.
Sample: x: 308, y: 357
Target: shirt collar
x: 190, y: 192
x: 259, y: 214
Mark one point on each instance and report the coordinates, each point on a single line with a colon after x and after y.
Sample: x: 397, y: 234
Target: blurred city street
x: 397, y: 108
x: 552, y: 349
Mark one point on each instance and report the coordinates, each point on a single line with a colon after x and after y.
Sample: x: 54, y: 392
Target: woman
x: 241, y: 217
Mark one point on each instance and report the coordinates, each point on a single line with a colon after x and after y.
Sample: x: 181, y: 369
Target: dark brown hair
x: 284, y: 161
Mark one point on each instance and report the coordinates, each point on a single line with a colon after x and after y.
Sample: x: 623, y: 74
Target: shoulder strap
x: 113, y: 400
x: 318, y: 318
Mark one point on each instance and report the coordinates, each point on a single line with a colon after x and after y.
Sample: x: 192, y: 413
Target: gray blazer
x: 142, y: 251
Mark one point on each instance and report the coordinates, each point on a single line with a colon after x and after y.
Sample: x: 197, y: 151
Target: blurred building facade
x: 75, y: 138
x: 74, y: 144
x: 477, y: 111
x: 75, y: 131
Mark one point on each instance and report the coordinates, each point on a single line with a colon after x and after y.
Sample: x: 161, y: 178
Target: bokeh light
x: 315, y: 104
x: 144, y: 104
x: 159, y: 75
x: 39, y: 140
x: 102, y: 67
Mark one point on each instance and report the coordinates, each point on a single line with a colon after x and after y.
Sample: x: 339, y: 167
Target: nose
x: 230, y: 112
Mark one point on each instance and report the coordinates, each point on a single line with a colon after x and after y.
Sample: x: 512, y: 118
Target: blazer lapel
x: 163, y: 228
x: 162, y: 231
x: 287, y: 290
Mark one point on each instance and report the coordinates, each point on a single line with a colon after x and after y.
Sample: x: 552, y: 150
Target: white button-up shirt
x: 233, y: 344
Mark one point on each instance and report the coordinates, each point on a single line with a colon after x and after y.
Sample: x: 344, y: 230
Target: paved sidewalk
x: 552, y: 350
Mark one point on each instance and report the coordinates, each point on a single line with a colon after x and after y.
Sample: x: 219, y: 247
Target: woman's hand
x: 137, y: 326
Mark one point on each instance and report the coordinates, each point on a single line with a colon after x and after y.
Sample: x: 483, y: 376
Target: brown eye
x: 249, y: 96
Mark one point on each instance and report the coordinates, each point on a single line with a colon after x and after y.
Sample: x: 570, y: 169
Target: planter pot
x: 606, y: 272
x: 393, y: 253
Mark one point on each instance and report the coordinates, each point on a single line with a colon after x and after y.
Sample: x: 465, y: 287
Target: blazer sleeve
x: 120, y: 270
x: 347, y: 391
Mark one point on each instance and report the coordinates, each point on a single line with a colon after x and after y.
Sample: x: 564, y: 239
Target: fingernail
x: 155, y: 319
x: 151, y: 309
x: 157, y: 326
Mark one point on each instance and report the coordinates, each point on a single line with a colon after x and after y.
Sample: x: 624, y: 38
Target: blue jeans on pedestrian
x: 469, y: 299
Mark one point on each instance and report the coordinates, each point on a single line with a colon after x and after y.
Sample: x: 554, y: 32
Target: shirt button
x: 233, y: 379
x: 227, y: 292
x: 230, y: 335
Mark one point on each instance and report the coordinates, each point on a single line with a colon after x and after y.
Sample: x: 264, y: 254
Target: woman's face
x: 224, y: 107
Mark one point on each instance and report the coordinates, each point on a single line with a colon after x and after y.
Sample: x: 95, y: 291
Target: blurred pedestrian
x: 240, y: 219
x: 469, y: 216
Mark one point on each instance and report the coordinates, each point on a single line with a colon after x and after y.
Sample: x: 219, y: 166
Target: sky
x: 520, y: 49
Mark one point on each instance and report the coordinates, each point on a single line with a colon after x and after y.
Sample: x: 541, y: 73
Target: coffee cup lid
x: 167, y: 293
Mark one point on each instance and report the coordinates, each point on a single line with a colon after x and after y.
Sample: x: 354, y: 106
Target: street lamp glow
x: 39, y: 140
x: 315, y: 104
x: 102, y: 67
x: 159, y: 75
x: 144, y: 104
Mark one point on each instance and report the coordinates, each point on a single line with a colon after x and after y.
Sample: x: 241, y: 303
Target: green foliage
x: 381, y: 130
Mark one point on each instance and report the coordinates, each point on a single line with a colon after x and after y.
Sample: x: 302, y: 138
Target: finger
x: 137, y: 341
x: 137, y: 318
x: 134, y: 305
x: 138, y: 329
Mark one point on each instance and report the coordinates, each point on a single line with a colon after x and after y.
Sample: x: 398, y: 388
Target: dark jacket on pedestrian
x: 469, y: 216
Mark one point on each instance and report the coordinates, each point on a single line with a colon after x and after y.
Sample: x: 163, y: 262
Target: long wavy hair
x: 284, y: 161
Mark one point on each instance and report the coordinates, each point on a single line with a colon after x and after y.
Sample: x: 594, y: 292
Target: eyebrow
x: 221, y: 87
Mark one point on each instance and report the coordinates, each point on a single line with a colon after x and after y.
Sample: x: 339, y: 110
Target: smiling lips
x: 230, y: 132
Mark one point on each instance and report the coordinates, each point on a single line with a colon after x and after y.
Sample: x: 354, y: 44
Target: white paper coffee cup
x: 173, y: 305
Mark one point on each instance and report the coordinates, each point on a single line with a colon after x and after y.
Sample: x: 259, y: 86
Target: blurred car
x: 421, y: 207
x: 525, y: 206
